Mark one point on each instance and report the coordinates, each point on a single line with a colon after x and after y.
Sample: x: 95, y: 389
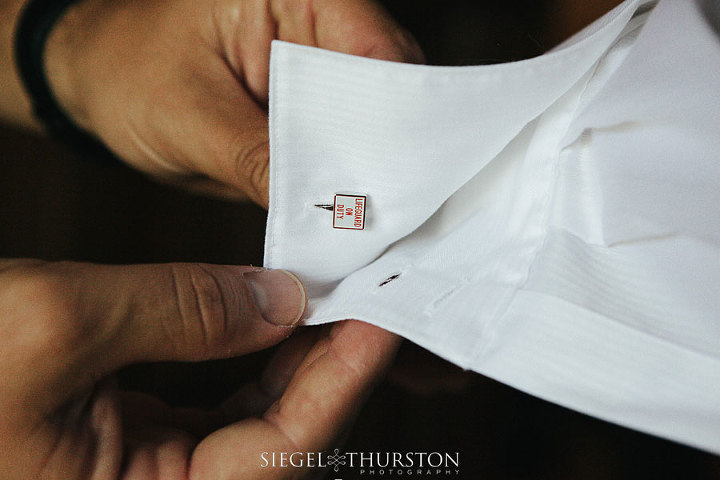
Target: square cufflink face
x: 349, y: 212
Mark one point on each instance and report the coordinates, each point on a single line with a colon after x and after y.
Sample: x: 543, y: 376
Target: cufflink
x: 349, y: 211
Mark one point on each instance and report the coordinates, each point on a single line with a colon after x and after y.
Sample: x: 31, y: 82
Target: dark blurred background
x: 55, y: 205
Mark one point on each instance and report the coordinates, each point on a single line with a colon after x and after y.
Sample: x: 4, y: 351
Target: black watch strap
x: 33, y: 29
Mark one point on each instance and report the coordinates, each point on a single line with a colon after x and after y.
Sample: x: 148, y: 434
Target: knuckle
x: 252, y: 164
x: 281, y: 7
x: 201, y: 303
x: 286, y: 8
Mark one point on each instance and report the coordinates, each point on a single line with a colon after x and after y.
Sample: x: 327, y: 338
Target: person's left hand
x: 179, y: 88
x: 66, y: 328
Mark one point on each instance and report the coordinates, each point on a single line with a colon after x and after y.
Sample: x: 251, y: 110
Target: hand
x: 67, y: 327
x: 179, y: 88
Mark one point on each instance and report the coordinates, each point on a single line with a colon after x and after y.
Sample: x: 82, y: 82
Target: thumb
x: 112, y: 316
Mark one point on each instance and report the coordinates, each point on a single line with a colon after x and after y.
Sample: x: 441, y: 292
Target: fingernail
x: 279, y: 295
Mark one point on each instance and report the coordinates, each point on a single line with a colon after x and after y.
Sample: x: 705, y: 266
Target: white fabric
x: 552, y: 223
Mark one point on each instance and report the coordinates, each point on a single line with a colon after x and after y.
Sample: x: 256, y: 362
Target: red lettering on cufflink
x: 349, y: 212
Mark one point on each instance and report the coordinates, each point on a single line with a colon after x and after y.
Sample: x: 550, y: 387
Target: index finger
x: 365, y: 28
x: 323, y: 398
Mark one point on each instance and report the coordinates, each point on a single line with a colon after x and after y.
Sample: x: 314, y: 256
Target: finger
x: 193, y: 312
x: 325, y: 394
x: 159, y: 453
x: 231, y: 140
x: 363, y: 27
x: 226, y: 139
x: 295, y: 21
x: 221, y: 148
x: 332, y: 382
x: 200, y: 120
x: 246, y: 41
x: 255, y: 398
x: 96, y: 318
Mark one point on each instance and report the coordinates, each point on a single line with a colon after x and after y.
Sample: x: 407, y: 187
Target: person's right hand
x: 179, y: 88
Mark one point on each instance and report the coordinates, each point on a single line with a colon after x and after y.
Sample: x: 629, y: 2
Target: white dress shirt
x: 552, y: 223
